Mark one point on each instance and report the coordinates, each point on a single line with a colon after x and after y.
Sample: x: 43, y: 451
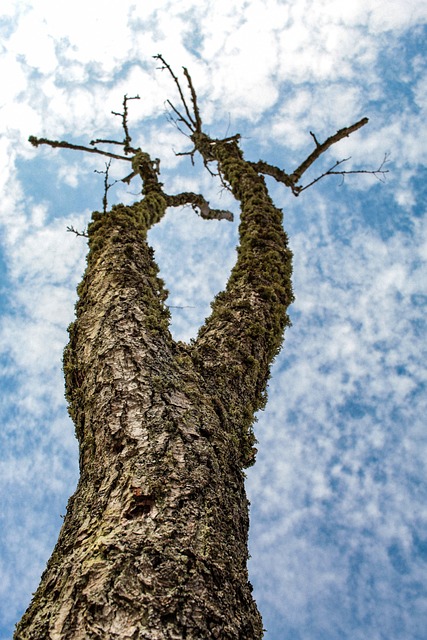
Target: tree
x: 154, y: 542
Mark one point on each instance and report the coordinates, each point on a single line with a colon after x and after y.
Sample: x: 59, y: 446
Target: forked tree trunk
x: 154, y: 543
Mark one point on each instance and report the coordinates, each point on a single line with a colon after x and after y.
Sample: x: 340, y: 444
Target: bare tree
x: 154, y: 542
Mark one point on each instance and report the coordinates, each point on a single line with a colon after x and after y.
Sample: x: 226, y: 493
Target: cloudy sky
x: 338, y: 517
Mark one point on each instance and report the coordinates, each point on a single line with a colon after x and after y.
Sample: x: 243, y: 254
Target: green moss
x: 252, y: 312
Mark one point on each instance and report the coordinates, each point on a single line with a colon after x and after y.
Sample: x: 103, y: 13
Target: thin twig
x: 80, y: 234
x: 316, y: 142
x: 124, y: 116
x: 107, y: 186
x: 180, y: 116
x: 192, y: 124
x: 330, y: 172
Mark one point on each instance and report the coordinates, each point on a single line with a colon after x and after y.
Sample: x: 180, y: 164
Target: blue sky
x: 338, y: 518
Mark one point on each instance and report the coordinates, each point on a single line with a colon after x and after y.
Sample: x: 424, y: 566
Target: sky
x: 338, y: 537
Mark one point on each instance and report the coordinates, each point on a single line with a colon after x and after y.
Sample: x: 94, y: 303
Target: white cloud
x: 33, y: 42
x: 14, y: 78
x: 341, y: 443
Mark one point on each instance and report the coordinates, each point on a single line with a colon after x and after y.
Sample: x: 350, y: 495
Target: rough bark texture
x: 154, y: 543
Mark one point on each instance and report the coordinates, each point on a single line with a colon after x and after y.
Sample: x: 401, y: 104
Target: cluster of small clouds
x: 336, y: 508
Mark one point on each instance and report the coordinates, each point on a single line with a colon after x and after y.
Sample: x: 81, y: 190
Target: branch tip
x: 79, y: 234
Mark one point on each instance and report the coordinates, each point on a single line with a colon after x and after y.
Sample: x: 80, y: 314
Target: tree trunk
x: 154, y: 543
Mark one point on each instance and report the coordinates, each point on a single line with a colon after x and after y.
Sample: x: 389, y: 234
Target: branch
x: 187, y: 153
x: 202, y: 142
x: 321, y: 148
x: 106, y: 185
x: 180, y: 117
x: 124, y: 115
x: 191, y: 123
x: 92, y: 149
x: 316, y: 142
x: 330, y: 172
x: 193, y: 100
x: 174, y: 121
x: 197, y: 201
x: 291, y: 180
x: 80, y: 234
x: 101, y: 141
x: 68, y: 145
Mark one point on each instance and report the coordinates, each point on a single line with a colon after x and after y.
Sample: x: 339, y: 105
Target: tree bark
x: 154, y: 542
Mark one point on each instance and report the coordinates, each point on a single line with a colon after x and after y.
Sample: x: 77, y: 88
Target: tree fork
x: 154, y: 542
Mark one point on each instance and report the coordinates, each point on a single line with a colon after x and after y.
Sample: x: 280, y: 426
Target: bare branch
x: 80, y: 234
x: 377, y: 173
x: 316, y: 142
x: 68, y: 145
x: 193, y: 100
x: 321, y: 148
x: 191, y: 123
x: 92, y: 149
x: 101, y: 141
x: 127, y: 140
x: 175, y: 121
x: 129, y: 177
x: 203, y: 144
x: 291, y: 180
x: 107, y: 186
x: 180, y: 116
x: 187, y: 153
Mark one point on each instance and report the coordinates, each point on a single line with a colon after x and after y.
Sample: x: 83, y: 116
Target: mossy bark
x: 154, y: 543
